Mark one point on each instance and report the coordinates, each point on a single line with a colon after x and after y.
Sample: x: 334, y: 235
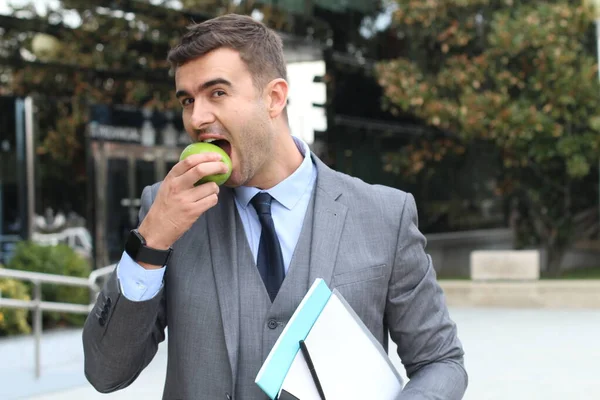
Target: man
x: 239, y: 266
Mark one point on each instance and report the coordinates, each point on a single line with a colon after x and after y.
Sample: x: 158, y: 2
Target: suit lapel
x: 223, y: 246
x: 328, y: 222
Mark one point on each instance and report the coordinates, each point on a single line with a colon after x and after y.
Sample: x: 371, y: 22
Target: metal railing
x: 38, y: 306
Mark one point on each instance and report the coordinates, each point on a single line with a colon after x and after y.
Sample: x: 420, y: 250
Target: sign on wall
x: 128, y: 125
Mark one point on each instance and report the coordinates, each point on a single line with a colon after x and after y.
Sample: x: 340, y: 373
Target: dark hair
x: 259, y: 47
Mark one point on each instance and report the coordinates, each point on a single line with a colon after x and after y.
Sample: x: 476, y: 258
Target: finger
x: 193, y: 175
x: 202, y: 191
x: 205, y: 203
x: 191, y: 161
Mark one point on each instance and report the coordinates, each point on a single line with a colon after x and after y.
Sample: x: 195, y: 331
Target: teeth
x: 209, y: 140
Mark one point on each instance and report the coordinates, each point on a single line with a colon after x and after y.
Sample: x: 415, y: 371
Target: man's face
x: 220, y: 102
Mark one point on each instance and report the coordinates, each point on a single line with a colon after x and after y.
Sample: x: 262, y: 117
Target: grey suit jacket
x: 365, y: 243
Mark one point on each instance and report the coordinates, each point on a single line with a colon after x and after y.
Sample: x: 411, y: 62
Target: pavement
x: 511, y: 354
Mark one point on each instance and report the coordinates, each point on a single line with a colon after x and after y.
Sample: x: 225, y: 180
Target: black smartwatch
x: 136, y: 248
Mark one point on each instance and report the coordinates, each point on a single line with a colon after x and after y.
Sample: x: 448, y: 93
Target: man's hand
x: 179, y: 203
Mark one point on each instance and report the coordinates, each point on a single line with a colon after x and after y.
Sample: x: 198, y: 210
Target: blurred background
x: 487, y: 111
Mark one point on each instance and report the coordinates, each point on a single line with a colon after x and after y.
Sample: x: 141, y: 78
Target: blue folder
x: 275, y: 368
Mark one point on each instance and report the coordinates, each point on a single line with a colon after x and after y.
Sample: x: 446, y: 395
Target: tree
x: 75, y: 54
x: 516, y: 75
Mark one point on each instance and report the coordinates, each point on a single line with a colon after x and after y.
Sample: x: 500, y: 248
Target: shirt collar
x: 289, y: 191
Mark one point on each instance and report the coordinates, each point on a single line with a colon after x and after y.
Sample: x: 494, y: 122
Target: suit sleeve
x: 120, y: 336
x: 419, y: 321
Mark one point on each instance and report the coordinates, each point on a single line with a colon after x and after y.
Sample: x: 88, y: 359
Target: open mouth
x: 222, y: 143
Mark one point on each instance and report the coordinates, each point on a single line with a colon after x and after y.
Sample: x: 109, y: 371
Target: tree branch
x: 158, y: 76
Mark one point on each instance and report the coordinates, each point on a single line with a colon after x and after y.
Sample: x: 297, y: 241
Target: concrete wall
x: 581, y: 258
x: 451, y: 251
x: 559, y: 293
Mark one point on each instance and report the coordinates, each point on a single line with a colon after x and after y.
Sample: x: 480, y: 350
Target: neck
x: 285, y: 161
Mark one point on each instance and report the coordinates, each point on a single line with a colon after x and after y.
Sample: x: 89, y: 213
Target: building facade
x: 16, y: 173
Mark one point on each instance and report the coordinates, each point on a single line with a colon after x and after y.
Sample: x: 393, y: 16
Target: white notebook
x: 349, y: 362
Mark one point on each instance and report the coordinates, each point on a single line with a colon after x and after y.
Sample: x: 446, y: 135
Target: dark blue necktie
x: 270, y: 259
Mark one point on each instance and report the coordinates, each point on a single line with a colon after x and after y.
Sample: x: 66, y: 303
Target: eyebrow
x: 204, y: 86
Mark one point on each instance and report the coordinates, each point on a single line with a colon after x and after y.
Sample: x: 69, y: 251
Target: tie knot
x: 262, y: 203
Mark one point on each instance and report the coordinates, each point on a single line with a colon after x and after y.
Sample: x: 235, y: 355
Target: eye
x: 187, y: 101
x: 218, y: 93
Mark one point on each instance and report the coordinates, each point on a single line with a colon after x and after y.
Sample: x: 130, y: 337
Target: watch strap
x: 153, y: 256
x: 137, y: 249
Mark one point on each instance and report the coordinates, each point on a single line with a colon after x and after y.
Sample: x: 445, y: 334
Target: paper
x: 348, y: 360
x: 274, y: 369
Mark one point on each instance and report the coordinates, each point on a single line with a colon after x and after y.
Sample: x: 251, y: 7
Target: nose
x: 202, y: 116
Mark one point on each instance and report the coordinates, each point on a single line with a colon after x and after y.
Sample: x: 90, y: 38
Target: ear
x: 276, y: 96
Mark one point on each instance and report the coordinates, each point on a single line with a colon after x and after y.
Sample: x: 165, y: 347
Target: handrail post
x: 92, y: 292
x: 37, y: 326
x: 37, y: 306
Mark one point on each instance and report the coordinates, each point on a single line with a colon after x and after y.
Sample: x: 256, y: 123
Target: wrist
x: 144, y: 254
x: 149, y: 266
x: 154, y: 240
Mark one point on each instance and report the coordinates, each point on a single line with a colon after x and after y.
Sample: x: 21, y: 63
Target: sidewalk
x: 515, y: 354
x: 62, y: 370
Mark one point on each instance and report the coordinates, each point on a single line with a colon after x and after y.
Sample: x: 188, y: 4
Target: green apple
x: 201, y: 147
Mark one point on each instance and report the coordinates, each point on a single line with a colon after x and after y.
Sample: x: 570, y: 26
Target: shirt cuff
x: 138, y: 283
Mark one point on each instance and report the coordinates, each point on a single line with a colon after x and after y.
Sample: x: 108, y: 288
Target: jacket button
x: 108, y: 301
x: 272, y: 324
x: 228, y: 396
x: 101, y: 321
x: 106, y: 307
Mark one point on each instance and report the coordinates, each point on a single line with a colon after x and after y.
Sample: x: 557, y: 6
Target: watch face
x: 133, y: 245
x: 139, y: 236
x: 136, y: 249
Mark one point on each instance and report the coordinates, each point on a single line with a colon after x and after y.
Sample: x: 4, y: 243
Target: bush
x: 58, y: 260
x: 13, y: 321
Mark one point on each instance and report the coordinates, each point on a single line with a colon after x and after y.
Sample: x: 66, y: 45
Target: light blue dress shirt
x: 291, y: 197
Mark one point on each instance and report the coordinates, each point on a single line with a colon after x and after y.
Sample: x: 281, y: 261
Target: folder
x: 347, y: 359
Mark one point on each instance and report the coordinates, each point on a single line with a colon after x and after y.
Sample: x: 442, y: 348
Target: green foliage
x: 521, y: 76
x: 82, y: 53
x: 59, y: 260
x: 13, y: 321
x: 70, y: 54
